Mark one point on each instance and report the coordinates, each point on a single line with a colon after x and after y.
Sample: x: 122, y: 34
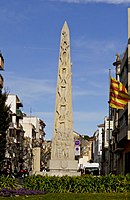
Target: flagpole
x: 109, y: 122
x: 109, y: 94
x: 109, y: 84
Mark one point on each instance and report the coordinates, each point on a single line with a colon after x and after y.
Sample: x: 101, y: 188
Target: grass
x: 72, y: 196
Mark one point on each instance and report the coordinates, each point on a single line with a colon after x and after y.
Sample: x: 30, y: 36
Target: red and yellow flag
x: 118, y: 94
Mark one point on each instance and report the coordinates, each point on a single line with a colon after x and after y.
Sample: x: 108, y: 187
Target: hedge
x: 78, y: 184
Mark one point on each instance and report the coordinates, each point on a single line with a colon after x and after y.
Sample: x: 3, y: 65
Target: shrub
x: 7, y: 182
x: 79, y: 184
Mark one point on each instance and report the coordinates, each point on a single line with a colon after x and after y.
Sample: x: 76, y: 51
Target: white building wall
x: 83, y: 161
x: 11, y: 101
x: 28, y: 129
x: 34, y: 121
x: 107, y: 131
x: 100, y: 142
x: 97, y: 144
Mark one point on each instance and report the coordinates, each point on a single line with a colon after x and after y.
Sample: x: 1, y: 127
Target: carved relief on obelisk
x: 62, y: 152
x: 63, y: 142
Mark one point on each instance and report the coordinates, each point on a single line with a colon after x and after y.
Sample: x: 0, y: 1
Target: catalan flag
x: 118, y: 94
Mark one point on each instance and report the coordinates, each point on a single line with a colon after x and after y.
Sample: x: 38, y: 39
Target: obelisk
x: 62, y: 153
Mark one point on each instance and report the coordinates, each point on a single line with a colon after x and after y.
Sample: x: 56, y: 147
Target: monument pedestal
x: 63, y: 167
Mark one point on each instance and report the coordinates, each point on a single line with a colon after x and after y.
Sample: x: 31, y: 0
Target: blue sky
x: 29, y: 42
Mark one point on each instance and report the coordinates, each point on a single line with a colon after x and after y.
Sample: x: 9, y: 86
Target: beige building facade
x: 121, y: 132
x: 34, y: 137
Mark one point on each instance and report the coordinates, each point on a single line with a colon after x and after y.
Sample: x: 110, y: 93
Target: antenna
x: 30, y: 111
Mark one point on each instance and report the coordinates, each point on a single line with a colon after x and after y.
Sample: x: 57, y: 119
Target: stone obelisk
x: 62, y: 153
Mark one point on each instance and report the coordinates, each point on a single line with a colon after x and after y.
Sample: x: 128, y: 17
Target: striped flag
x: 118, y: 94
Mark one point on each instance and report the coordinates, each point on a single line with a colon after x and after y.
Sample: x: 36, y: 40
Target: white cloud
x: 99, y: 46
x: 29, y: 87
x: 89, y: 93
x: 34, y: 93
x: 42, y: 115
x: 87, y: 121
x: 95, y: 1
x: 93, y: 53
x: 32, y: 89
x: 88, y: 116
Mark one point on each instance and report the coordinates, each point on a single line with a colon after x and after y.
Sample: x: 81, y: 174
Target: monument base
x: 63, y: 167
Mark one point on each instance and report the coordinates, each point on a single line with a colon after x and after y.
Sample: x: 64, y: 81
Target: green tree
x: 5, y: 119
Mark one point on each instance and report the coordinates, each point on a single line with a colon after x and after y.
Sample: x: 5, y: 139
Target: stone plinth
x: 63, y: 167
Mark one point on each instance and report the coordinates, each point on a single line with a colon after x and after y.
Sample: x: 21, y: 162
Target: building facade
x: 106, y: 161
x: 121, y: 132
x: 15, y: 133
x: 97, y: 145
x: 34, y: 136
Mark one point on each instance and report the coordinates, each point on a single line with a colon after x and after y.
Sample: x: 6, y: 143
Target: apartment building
x: 34, y: 128
x: 97, y: 145
x: 34, y: 136
x: 121, y: 132
x: 107, y: 159
x: 15, y: 133
x: 24, y: 133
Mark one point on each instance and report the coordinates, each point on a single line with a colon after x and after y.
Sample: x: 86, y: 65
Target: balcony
x: 19, y: 113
